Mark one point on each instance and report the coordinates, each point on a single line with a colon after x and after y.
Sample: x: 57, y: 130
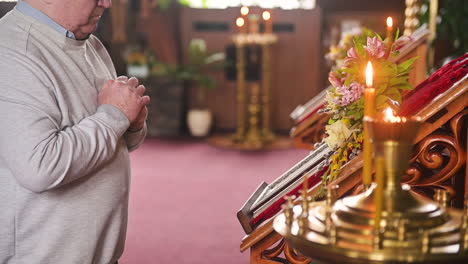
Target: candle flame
x: 240, y: 22
x: 244, y: 10
x: 390, y: 117
x: 369, y: 74
x: 389, y: 22
x: 388, y: 113
x: 266, y: 15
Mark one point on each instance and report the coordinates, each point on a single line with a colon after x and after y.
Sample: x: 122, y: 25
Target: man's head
x: 78, y: 16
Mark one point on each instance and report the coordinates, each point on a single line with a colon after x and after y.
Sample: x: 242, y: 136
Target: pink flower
x: 349, y: 94
x: 351, y: 56
x: 401, y: 42
x: 335, y: 81
x: 352, y: 53
x: 375, y: 47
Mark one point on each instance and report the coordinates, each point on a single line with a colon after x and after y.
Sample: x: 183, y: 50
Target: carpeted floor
x: 184, y: 198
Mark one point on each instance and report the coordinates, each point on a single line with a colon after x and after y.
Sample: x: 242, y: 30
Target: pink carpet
x: 184, y: 198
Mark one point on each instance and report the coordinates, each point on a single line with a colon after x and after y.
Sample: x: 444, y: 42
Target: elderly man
x: 67, y: 126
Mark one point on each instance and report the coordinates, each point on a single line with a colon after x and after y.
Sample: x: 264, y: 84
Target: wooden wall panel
x: 296, y: 61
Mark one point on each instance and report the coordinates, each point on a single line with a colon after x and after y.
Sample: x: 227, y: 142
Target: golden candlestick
x: 267, y: 134
x: 253, y: 138
x: 266, y: 15
x: 413, y: 229
x: 256, y: 134
x: 240, y: 65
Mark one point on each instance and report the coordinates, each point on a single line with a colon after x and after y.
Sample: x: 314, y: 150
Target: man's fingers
x: 140, y: 90
x: 122, y: 78
x: 145, y: 100
x: 133, y: 82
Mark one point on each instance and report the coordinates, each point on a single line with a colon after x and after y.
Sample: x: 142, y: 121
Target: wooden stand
x: 443, y: 131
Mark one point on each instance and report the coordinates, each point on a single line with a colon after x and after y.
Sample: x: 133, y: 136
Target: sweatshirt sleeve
x: 41, y: 154
x: 135, y: 138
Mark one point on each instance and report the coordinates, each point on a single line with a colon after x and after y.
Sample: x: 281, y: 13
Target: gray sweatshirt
x: 64, y: 164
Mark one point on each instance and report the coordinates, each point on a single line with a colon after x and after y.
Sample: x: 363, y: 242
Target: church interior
x: 296, y: 131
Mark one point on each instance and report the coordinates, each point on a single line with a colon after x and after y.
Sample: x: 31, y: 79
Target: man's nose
x: 105, y: 3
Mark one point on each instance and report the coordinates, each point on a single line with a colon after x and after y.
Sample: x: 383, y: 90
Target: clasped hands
x: 128, y: 97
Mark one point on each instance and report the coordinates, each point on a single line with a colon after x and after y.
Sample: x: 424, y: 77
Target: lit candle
x: 391, y: 118
x: 244, y: 11
x: 266, y: 15
x: 240, y: 23
x: 390, y: 28
x: 369, y: 102
x: 389, y: 35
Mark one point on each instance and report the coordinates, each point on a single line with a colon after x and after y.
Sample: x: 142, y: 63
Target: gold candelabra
x: 254, y: 131
x: 388, y: 223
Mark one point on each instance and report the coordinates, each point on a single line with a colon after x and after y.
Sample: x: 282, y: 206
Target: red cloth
x: 439, y: 82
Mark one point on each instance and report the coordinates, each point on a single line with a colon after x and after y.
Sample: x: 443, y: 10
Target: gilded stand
x: 407, y: 229
x: 253, y: 131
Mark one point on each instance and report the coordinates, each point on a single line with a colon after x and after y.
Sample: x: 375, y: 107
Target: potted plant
x: 196, y: 73
x: 137, y: 63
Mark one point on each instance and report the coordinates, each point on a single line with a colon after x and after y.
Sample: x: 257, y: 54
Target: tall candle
x: 244, y: 11
x: 240, y: 23
x: 369, y: 108
x: 390, y: 28
x: 266, y: 15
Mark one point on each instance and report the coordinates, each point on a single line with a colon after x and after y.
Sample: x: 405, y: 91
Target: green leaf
x: 395, y: 96
x: 398, y: 81
x: 405, y: 86
x: 388, y: 70
x: 380, y: 100
x: 406, y: 65
x: 378, y: 36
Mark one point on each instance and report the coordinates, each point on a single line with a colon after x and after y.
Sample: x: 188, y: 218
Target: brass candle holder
x: 253, y: 129
x: 410, y: 229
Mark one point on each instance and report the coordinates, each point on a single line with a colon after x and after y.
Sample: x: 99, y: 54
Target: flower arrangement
x: 338, y: 53
x: 345, y: 100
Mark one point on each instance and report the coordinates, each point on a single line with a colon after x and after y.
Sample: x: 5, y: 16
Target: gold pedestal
x: 410, y: 228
